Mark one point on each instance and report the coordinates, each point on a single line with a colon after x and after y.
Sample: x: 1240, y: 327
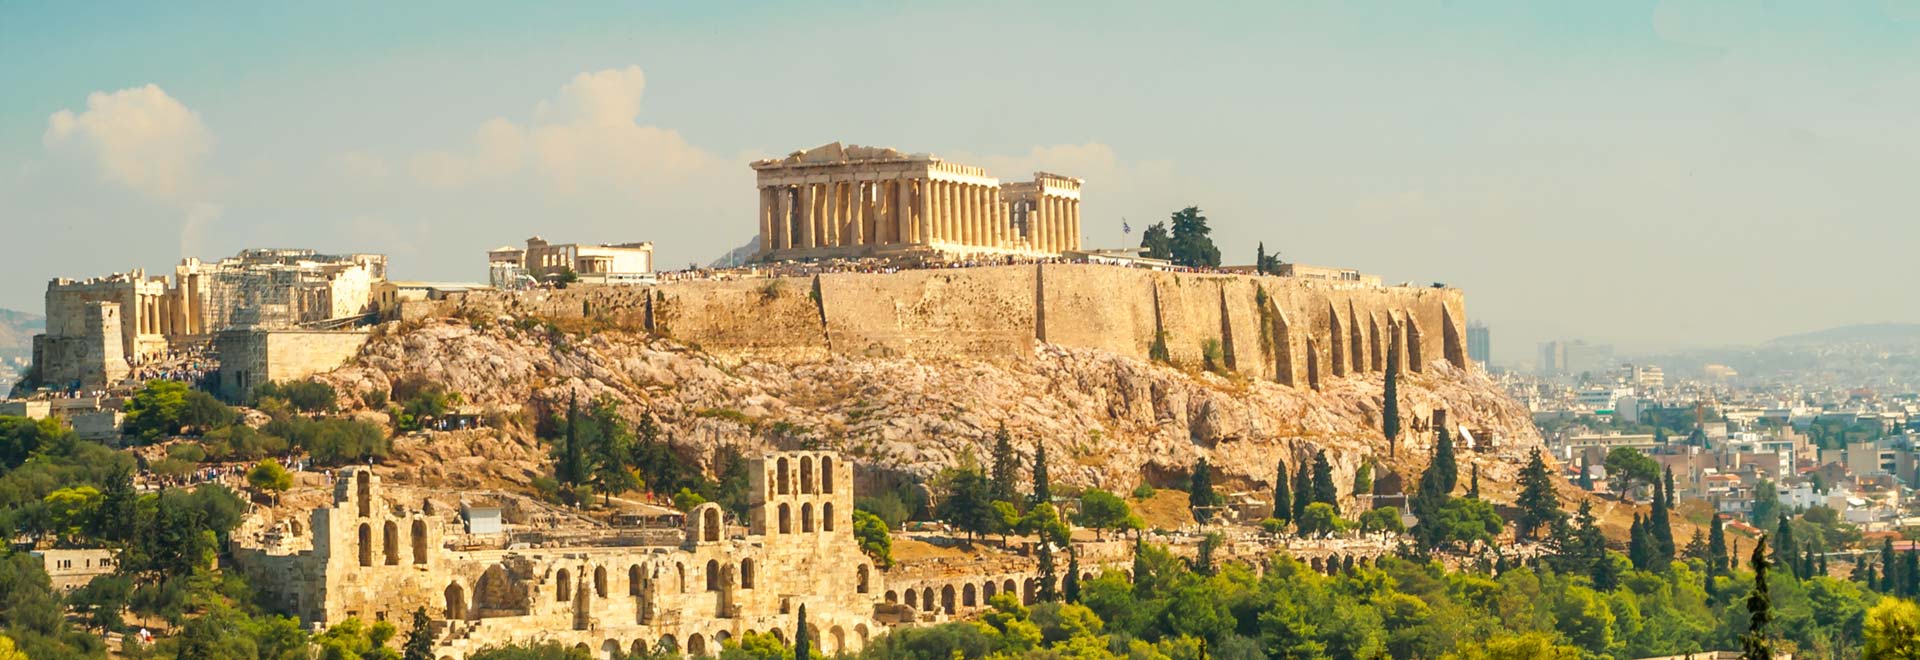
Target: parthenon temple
x: 855, y: 201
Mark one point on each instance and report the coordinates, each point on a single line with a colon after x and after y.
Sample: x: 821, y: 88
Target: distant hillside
x: 1871, y: 333
x: 738, y: 256
x: 17, y: 330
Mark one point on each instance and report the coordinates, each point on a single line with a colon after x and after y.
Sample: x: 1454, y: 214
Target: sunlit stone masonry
x: 855, y: 201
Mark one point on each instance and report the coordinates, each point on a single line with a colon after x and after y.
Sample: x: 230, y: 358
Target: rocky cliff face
x: 1107, y: 421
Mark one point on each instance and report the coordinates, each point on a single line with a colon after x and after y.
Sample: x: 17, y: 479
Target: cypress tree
x: 1004, y: 465
x: 1889, y: 568
x: 1282, y: 495
x: 1716, y: 548
x: 1047, y: 593
x: 1042, y: 489
x: 1909, y: 574
x: 1260, y: 258
x: 1070, y: 588
x: 1754, y: 644
x: 1302, y: 490
x: 419, y: 644
x: 1200, y: 496
x: 1390, y: 397
x: 1820, y: 569
x: 1444, y: 463
x: 1590, y: 549
x: 802, y: 644
x: 1783, y: 546
x: 1586, y: 477
x: 1639, y: 546
x: 1473, y: 484
x: 1660, y: 525
x: 1323, y: 489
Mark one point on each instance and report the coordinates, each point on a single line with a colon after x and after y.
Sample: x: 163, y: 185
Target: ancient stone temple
x: 854, y: 201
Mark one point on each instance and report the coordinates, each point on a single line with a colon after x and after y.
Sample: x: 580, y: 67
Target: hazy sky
x: 1652, y: 174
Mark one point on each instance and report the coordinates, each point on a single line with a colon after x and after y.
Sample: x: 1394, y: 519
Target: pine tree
x: 1890, y: 578
x: 1260, y: 259
x: 1590, y: 549
x: 1820, y: 569
x: 1754, y: 644
x: 1473, y: 484
x: 1070, y: 588
x: 1443, y: 461
x: 420, y: 639
x: 1783, y: 545
x: 1282, y: 495
x: 1390, y: 398
x: 1586, y: 477
x: 1004, y: 466
x: 1323, y: 489
x: 1042, y: 490
x: 1910, y: 574
x: 1200, y: 496
x: 1716, y: 548
x: 1539, y: 507
x: 1302, y: 490
x: 802, y: 644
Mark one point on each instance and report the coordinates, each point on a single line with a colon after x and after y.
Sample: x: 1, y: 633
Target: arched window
x: 563, y: 586
x: 926, y: 599
x: 710, y: 525
x: 366, y: 544
x: 746, y: 574
x: 967, y: 596
x: 826, y: 516
x: 826, y: 474
x: 390, y: 543
x: 456, y: 602
x: 913, y: 598
x: 806, y: 475
x: 419, y: 541
x: 786, y: 520
x: 365, y: 482
x: 863, y: 579
x: 600, y: 581
x: 780, y: 476
x: 806, y: 517
x: 946, y: 600
x: 633, y: 580
x: 713, y: 575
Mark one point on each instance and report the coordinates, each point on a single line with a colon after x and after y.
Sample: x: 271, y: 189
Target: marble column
x: 980, y: 224
x: 783, y: 217
x: 949, y: 211
x: 857, y: 221
x: 922, y: 207
x: 766, y: 219
x: 806, y: 215
x: 1073, y: 211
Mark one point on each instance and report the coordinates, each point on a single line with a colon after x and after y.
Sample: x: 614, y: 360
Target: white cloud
x: 589, y: 135
x: 139, y: 137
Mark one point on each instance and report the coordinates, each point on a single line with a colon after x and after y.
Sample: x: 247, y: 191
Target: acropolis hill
x: 909, y: 371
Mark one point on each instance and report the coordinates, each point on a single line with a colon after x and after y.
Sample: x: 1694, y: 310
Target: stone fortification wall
x: 979, y: 312
x: 1284, y: 329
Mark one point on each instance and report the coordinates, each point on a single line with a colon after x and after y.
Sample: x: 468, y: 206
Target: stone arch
x: 390, y: 543
x: 419, y: 541
x: 610, y: 649
x: 826, y: 516
x: 562, y: 586
x: 496, y: 593
x: 946, y: 599
x: 913, y: 598
x: 781, y: 474
x: 806, y: 517
x: 806, y: 475
x: 634, y: 578
x: 926, y: 599
x: 366, y: 544
x: 1416, y: 361
x: 786, y: 519
x: 600, y: 581
x: 1026, y: 591
x: 893, y: 596
x: 836, y: 641
x: 696, y: 645
x: 746, y: 574
x: 1336, y: 341
x: 969, y: 597
x: 1086, y: 577
x: 861, y: 585
x: 1379, y: 353
x: 363, y: 482
x: 668, y: 644
x: 860, y: 633
x: 1313, y: 366
x: 1008, y: 587
x: 1315, y: 563
x: 456, y: 601
x: 779, y: 635
x: 710, y: 524
x: 713, y: 575
x: 1452, y: 345
x: 826, y: 474
x: 639, y: 648
x: 720, y: 639
x: 988, y: 591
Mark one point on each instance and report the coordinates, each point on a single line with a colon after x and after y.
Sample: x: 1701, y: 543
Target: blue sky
x: 1654, y: 174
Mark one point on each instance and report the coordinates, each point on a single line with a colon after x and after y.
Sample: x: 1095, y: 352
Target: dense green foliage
x: 310, y: 396
x: 163, y: 408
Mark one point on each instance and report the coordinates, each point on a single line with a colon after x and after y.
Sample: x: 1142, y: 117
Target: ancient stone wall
x: 1290, y: 330
x: 249, y: 358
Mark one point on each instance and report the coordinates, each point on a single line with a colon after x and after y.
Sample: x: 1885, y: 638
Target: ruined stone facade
x: 854, y: 201
x: 250, y: 358
x: 374, y: 553
x: 88, y: 355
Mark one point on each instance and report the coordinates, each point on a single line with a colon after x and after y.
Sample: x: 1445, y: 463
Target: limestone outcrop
x: 1108, y: 420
